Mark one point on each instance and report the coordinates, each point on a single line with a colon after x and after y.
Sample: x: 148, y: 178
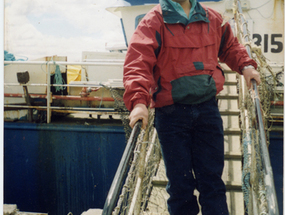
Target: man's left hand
x: 249, y: 74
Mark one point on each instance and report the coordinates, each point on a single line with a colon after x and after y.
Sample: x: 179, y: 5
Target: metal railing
x: 272, y: 205
x: 49, y: 97
x: 121, y: 172
x: 268, y: 174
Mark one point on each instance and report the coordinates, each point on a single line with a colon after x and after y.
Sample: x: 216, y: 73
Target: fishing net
x: 253, y: 170
x: 144, y: 164
x: 138, y: 184
x: 119, y: 105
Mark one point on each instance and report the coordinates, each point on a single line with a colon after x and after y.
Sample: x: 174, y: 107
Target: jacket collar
x: 171, y: 16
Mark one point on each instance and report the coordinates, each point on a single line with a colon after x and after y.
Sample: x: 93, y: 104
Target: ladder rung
x: 155, y: 213
x: 232, y: 131
x: 160, y: 183
x: 277, y: 128
x: 227, y: 96
x: 230, y: 185
x: 233, y: 156
x: 232, y: 83
x: 228, y: 71
x: 229, y: 112
x: 233, y: 185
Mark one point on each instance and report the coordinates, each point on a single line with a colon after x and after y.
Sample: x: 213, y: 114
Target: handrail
x: 268, y: 174
x: 120, y: 175
x: 88, y: 63
x: 49, y: 97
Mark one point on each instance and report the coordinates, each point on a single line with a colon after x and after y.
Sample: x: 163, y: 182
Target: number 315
x: 278, y: 44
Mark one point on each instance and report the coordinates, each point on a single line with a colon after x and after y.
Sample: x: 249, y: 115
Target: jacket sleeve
x: 140, y: 61
x: 232, y: 52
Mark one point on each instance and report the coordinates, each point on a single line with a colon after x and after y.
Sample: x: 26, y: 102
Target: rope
x: 149, y: 159
x: 246, y: 170
x: 252, y: 176
x: 58, y: 79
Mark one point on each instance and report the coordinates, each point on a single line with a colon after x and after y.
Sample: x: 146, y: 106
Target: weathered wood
x: 9, y: 209
x: 229, y: 112
x: 233, y: 156
x: 232, y: 83
x: 232, y: 131
x: 227, y: 96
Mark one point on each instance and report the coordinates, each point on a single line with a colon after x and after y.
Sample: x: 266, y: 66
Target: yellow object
x: 73, y: 73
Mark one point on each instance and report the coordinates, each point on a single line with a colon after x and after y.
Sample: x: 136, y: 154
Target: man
x: 172, y: 65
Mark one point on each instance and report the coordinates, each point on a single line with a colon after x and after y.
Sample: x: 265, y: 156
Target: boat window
x: 138, y: 19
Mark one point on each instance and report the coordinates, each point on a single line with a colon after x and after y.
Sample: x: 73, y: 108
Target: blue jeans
x: 192, y: 143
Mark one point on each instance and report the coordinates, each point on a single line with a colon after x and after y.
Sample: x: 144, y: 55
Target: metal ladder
x: 228, y: 105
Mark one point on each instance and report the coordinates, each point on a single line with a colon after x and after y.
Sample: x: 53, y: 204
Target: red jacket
x: 174, y: 60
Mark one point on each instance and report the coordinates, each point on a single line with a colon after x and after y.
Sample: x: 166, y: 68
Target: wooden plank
x: 9, y: 209
x: 233, y: 156
x: 232, y: 131
x: 228, y: 71
x: 231, y: 83
x: 30, y: 213
x: 227, y: 96
x: 230, y: 185
x: 229, y: 112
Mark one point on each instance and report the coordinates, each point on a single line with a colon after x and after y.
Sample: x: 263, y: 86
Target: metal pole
x: 268, y: 175
x: 61, y: 97
x: 48, y: 95
x: 120, y: 175
x: 96, y: 63
x: 137, y: 196
x: 86, y: 84
x: 244, y: 29
x: 102, y: 110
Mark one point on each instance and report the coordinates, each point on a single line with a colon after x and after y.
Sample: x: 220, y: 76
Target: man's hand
x: 139, y: 112
x: 249, y: 74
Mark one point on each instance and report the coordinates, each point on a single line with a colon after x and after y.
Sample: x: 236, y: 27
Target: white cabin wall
x: 269, y: 20
x: 129, y: 15
x: 110, y: 68
x: 265, y: 18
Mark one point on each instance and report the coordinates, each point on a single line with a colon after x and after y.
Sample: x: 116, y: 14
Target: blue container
x: 60, y: 168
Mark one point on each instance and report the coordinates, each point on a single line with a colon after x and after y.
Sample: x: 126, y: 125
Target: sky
x: 39, y: 28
